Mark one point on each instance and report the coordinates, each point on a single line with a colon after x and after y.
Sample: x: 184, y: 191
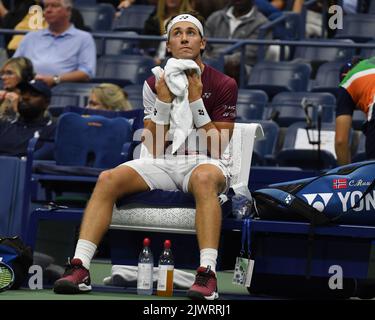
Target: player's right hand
x: 162, y: 91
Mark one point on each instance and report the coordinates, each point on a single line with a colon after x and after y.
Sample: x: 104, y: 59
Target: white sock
x: 85, y: 251
x: 208, y: 258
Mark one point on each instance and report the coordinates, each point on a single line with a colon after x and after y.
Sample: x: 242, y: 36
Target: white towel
x: 126, y: 276
x: 177, y: 82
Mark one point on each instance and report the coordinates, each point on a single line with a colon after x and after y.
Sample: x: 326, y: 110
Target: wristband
x: 200, y: 114
x: 161, y: 112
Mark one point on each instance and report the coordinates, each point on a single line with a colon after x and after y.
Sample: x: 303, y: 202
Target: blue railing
x: 233, y: 44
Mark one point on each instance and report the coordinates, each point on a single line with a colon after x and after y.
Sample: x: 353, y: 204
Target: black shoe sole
x: 198, y: 296
x: 66, y: 287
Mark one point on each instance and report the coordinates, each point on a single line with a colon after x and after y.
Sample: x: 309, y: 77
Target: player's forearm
x: 343, y: 153
x: 154, y: 138
x: 217, y: 135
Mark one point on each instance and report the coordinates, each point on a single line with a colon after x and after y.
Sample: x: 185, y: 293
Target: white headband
x: 187, y: 18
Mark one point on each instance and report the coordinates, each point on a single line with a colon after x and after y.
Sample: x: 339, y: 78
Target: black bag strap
x: 314, y: 216
x: 270, y: 195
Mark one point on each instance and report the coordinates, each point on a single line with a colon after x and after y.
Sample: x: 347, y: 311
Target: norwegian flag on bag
x: 340, y: 183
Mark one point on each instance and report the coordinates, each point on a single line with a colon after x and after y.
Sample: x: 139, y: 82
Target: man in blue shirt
x: 60, y: 53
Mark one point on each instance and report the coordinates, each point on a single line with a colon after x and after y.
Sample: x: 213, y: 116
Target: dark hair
x: 348, y: 66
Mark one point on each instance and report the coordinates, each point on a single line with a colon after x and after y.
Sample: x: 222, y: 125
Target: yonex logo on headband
x: 187, y: 18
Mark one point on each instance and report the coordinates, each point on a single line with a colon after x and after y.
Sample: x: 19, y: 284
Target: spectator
x: 32, y: 120
x: 203, y: 174
x: 18, y: 18
x: 155, y: 25
x: 108, y: 96
x: 356, y: 91
x: 60, y: 53
x: 240, y: 20
x: 206, y: 7
x: 14, y: 71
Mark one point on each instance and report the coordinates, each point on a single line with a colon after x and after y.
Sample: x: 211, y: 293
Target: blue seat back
x: 64, y: 99
x: 358, y: 27
x: 324, y: 53
x: 275, y: 77
x: 370, y: 52
x: 134, y: 69
x: 117, y: 46
x: 288, y: 105
x: 133, y: 18
x: 216, y: 63
x: 250, y: 104
x: 290, y: 155
x: 135, y: 117
x: 98, y: 17
x: 327, y: 78
x: 71, y: 93
x: 266, y: 146
x: 92, y: 141
x: 135, y: 96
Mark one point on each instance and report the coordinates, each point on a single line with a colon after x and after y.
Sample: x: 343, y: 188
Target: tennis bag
x: 19, y: 257
x: 344, y: 195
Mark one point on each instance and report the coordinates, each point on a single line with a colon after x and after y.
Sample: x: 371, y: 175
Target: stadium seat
x: 117, y: 46
x: 134, y: 90
x: 265, y: 147
x: 324, y: 54
x: 250, y: 104
x: 98, y: 17
x: 357, y: 27
x: 217, y: 63
x: 275, y: 77
x: 133, y: 18
x: 316, y: 56
x: 368, y: 53
x: 297, y: 150
x: 84, y: 146
x: 286, y: 107
x: 71, y: 94
x: 124, y: 69
x: 327, y: 78
x: 135, y: 117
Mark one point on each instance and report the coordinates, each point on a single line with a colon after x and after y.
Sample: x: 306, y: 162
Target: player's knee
x: 204, y: 181
x: 106, y: 180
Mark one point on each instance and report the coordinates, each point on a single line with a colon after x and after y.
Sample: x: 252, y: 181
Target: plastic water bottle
x: 241, y: 206
x: 145, y: 269
x: 166, y: 268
